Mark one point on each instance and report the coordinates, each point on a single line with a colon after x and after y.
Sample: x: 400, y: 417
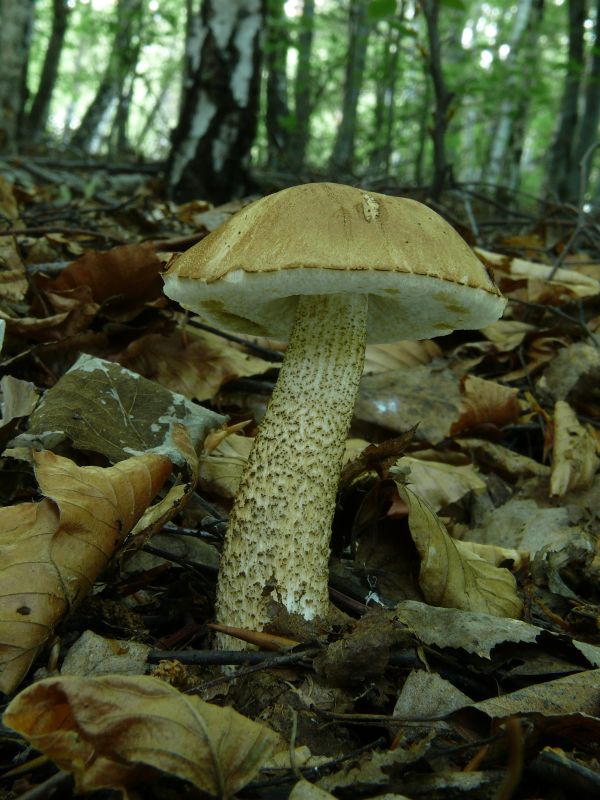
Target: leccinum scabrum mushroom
x: 327, y: 267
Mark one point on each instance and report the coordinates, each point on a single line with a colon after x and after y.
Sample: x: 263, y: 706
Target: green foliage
x: 396, y: 96
x: 381, y: 9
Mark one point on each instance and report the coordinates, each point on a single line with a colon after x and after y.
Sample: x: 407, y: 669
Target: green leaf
x: 458, y: 5
x: 379, y: 9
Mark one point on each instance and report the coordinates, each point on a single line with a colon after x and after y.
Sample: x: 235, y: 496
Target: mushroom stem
x: 277, y: 545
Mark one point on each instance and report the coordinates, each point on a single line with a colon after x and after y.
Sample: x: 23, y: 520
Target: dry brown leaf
x: 485, y: 402
x: 221, y: 469
x: 480, y: 633
x: 574, y: 284
x: 121, y: 279
x: 13, y: 278
x: 384, y: 357
x: 568, y: 705
x: 574, y: 459
x: 304, y: 790
x: 53, y: 551
x: 103, y: 408
x: 507, y: 334
x: 450, y: 575
x: 494, y: 554
x: 573, y: 374
x: 17, y: 400
x: 540, y: 350
x: 439, y: 483
x: 193, y: 363
x: 427, y: 694
x: 427, y: 396
x: 115, y: 731
x: 508, y: 463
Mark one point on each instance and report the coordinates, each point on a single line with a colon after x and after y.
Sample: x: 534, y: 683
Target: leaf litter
x: 462, y: 652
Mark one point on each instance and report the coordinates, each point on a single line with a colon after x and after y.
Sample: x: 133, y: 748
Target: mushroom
x: 327, y: 267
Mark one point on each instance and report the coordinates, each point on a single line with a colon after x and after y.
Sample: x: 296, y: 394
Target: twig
x: 263, y: 352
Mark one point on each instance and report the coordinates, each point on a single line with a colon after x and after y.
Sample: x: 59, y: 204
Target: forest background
x: 502, y: 97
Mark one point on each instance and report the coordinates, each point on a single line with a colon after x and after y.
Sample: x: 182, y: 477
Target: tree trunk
x: 211, y: 144
x: 441, y: 168
x: 508, y: 110
x: 561, y: 155
x: 587, y: 131
x: 300, y: 134
x: 15, y: 30
x: 342, y: 156
x: 277, y: 112
x: 422, y: 137
x: 529, y: 65
x: 38, y: 114
x: 384, y: 116
x: 121, y: 63
x: 168, y: 77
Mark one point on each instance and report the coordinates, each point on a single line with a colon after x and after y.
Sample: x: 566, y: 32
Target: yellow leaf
x: 574, y: 460
x: 52, y: 552
x: 451, y: 576
x: 115, y: 731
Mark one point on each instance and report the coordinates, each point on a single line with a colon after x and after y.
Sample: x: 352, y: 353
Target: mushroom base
x: 277, y: 545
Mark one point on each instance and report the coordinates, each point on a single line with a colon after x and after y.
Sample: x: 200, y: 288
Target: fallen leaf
x: 574, y: 284
x: 573, y: 373
x: 121, y: 279
x: 53, y: 551
x: 427, y: 694
x: 115, y: 731
x: 508, y: 334
x: 510, y: 464
x: 103, y: 408
x: 487, y: 402
x: 193, y: 363
x: 94, y: 655
x: 574, y: 459
x: 221, y: 469
x: 427, y: 396
x: 450, y: 575
x: 303, y: 790
x: 397, y: 355
x: 479, y: 633
x: 567, y: 706
x: 440, y: 484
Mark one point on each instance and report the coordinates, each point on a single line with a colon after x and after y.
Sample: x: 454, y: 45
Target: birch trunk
x: 211, y: 144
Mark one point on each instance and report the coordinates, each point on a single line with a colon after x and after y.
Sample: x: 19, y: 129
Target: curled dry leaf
x: 52, y: 551
x: 574, y: 459
x: 485, y: 402
x: 221, y: 469
x: 573, y: 283
x: 508, y: 334
x: 115, y: 731
x: 451, y: 575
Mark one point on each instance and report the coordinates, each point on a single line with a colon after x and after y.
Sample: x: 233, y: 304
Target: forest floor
x: 462, y: 653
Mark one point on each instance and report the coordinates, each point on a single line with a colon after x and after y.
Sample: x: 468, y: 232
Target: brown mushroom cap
x: 422, y: 279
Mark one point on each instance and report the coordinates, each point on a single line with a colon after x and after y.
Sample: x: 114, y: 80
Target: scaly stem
x: 277, y: 545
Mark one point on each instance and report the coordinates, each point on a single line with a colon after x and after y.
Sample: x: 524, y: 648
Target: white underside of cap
x: 401, y: 305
